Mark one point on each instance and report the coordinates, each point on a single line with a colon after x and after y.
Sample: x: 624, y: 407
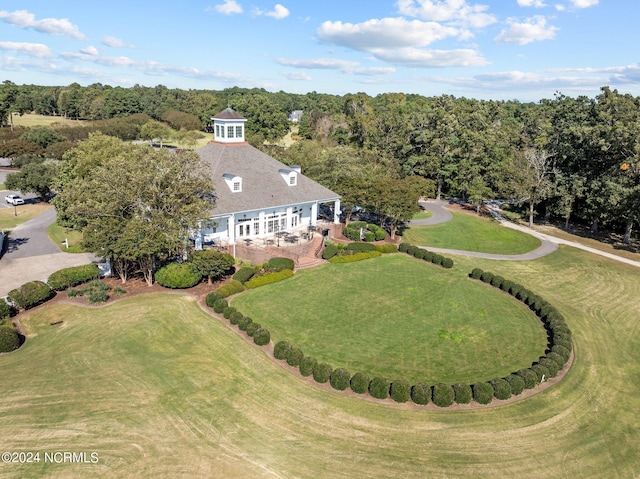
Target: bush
x: 476, y: 273
x: 551, y: 366
x: 486, y: 277
x: 236, y: 317
x: 231, y: 288
x: 379, y: 388
x: 340, y: 379
x: 252, y: 328
x: 482, y: 393
x: 496, y: 281
x: 378, y: 232
x: 355, y: 257
x: 400, y: 391
x: 244, y: 274
x: 322, y: 372
x: 369, y: 236
x: 178, y: 276
x: 562, y: 351
x: 68, y: 277
x: 516, y: 383
x: 96, y: 292
x: 386, y: 248
x: 268, y: 278
x: 501, y: 388
x: 361, y: 247
x: 244, y: 323
x: 442, y: 395
x: 506, y: 285
x: 329, y: 251
x: 281, y: 349
x: 428, y: 256
x: 447, y: 263
x: 529, y: 377
x: 359, y: 383
x: 306, y: 365
x: 220, y: 305
x: 419, y: 253
x: 5, y: 310
x: 9, y: 338
x: 402, y: 247
x: 437, y: 259
x: 228, y: 311
x: 294, y: 357
x: 462, y: 393
x: 211, y: 298
x: 420, y: 393
x: 541, y: 372
x: 282, y: 263
x: 30, y: 294
x: 261, y: 336
x: 411, y: 250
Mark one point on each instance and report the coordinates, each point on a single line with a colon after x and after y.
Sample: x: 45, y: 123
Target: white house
x: 256, y: 195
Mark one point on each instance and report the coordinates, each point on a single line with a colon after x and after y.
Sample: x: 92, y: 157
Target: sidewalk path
x: 549, y: 243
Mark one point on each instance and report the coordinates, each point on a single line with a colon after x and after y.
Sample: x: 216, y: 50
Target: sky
x: 524, y: 50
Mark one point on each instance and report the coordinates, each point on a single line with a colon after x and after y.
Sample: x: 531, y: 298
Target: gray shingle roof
x: 263, y: 186
x: 229, y: 114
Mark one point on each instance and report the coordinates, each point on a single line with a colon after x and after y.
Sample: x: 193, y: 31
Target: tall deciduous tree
x: 533, y: 175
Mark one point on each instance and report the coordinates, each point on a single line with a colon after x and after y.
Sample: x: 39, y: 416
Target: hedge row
x: 425, y: 255
x: 69, y: 277
x: 230, y: 288
x: 281, y: 263
x: 351, y: 258
x: 268, y: 278
x: 244, y: 274
x: 261, y: 336
x: 30, y: 294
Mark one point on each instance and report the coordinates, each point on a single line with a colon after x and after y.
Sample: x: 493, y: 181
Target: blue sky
x: 492, y: 49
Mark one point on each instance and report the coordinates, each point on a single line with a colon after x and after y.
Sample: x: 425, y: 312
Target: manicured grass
x: 472, y: 233
x: 160, y: 389
x: 399, y: 317
x: 9, y: 220
x: 30, y: 120
x: 59, y: 233
x: 423, y: 215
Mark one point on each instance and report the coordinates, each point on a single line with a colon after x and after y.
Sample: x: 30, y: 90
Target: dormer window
x: 292, y: 180
x: 290, y: 176
x: 234, y: 182
x: 237, y: 186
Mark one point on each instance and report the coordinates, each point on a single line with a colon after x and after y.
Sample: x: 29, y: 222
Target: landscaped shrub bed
x: 281, y: 263
x: 95, y: 291
x: 30, y: 294
x: 178, y: 276
x: 268, y: 278
x: 370, y: 231
x: 351, y: 258
x: 68, y: 277
x: 231, y: 288
x: 423, y: 254
x: 244, y: 274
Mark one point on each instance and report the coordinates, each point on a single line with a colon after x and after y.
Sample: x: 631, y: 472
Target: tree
x: 212, y: 263
x: 154, y: 129
x: 395, y: 200
x: 8, y: 93
x: 533, y: 177
x: 146, y: 214
x: 38, y: 178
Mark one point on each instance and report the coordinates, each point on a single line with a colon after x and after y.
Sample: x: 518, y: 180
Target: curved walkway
x: 549, y: 243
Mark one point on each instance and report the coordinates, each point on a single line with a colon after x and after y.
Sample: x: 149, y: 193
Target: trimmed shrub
x: 340, y: 379
x: 442, y: 395
x: 252, y: 328
x: 5, y: 310
x: 9, y: 338
x: 447, y: 263
x: 329, y: 251
x: 378, y: 232
x: 379, y: 388
x: 419, y: 253
x: 231, y: 288
x: 462, y: 393
x: 355, y: 257
x: 386, y: 248
x: 514, y: 289
x: 482, y: 393
x: 564, y: 342
x: 420, y: 394
x: 244, y: 274
x: 437, y: 259
x: 486, y: 277
x: 268, y: 278
x: 359, y: 383
x: 541, y: 372
x: 506, y: 284
x: 306, y: 365
x: 361, y: 247
x: 244, y: 323
x: 294, y: 357
x: 562, y: 351
x: 30, y: 294
x: 369, y: 236
x: 178, y: 276
x: 529, y: 377
x: 402, y: 247
x: 236, y: 317
x: 281, y: 349
x: 516, y: 383
x: 501, y: 388
x: 96, y: 291
x: 496, y: 281
x: 551, y: 366
x: 228, y: 311
x: 400, y: 391
x: 476, y: 273
x: 211, y: 298
x: 428, y: 256
x: 261, y: 336
x: 411, y: 250
x: 68, y: 277
x: 322, y: 372
x: 282, y: 263
x: 556, y: 358
x: 220, y: 305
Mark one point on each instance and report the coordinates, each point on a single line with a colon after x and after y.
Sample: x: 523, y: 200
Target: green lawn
x: 58, y: 234
x: 399, y: 317
x: 423, y: 215
x: 9, y: 220
x: 32, y: 120
x: 472, y: 233
x: 160, y: 389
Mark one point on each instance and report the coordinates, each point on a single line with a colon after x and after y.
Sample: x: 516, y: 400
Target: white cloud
x: 37, y: 50
x: 532, y: 3
x: 457, y: 12
x: 52, y: 26
x: 229, y: 7
x: 533, y: 29
x: 90, y: 50
x: 297, y: 76
x: 583, y: 3
x: 279, y: 12
x: 424, y: 58
x: 384, y: 33
x: 318, y: 63
x: 115, y: 42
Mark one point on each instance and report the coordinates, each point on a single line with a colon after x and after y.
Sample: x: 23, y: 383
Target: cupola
x: 228, y: 127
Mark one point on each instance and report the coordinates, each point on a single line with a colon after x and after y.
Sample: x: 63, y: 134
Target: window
x: 229, y: 132
x: 292, y: 180
x: 239, y: 131
x: 236, y: 186
x: 217, y: 130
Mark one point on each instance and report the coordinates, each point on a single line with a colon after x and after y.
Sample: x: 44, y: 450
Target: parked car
x: 14, y: 200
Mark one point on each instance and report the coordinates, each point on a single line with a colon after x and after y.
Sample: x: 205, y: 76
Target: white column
x: 336, y: 212
x: 314, y: 214
x: 231, y: 225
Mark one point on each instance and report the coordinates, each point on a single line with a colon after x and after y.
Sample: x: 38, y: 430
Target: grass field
x: 31, y: 120
x: 400, y: 318
x: 59, y: 233
x: 423, y: 215
x: 469, y: 232
x: 9, y: 220
x: 160, y: 389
